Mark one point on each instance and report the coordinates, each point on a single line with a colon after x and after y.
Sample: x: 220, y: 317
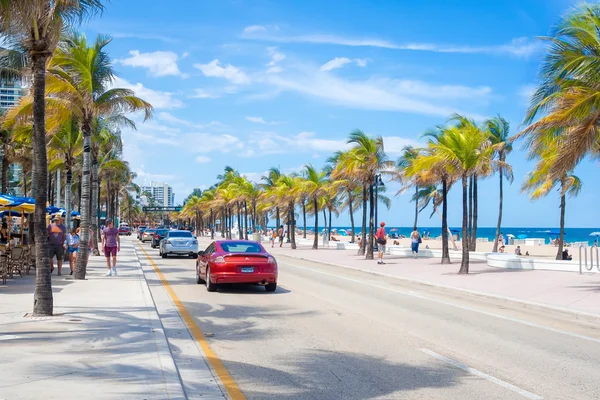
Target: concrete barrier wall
x: 510, y: 261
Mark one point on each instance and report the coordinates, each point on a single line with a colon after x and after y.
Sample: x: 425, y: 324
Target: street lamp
x: 378, y: 182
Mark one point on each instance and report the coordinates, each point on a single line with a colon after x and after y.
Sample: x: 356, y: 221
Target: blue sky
x: 261, y: 83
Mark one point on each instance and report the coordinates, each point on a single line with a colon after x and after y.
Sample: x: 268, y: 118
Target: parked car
x: 148, y: 234
x: 124, y: 230
x: 236, y: 261
x: 179, y: 243
x: 141, y: 230
x: 158, y: 236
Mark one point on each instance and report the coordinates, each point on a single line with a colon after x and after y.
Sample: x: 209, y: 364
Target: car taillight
x: 219, y: 260
x: 272, y: 260
x: 156, y: 237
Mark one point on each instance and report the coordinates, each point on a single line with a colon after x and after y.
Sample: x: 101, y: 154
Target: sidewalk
x: 564, y: 290
x: 104, y: 342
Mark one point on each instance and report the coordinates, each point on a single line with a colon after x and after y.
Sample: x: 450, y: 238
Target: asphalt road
x: 333, y: 333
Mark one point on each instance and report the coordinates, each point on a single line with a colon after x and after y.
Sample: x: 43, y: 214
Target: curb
x: 469, y: 291
x: 172, y: 379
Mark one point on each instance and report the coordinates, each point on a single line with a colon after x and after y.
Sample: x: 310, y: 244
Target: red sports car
x: 236, y: 261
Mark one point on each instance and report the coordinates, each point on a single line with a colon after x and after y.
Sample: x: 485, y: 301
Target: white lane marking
x: 530, y: 324
x: 483, y: 375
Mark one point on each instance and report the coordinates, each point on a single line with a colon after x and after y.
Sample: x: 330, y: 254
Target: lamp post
x: 378, y: 182
x: 2, y: 163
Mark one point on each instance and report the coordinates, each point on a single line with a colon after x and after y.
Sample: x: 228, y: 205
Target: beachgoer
x: 518, y: 251
x: 4, y: 236
x: 527, y: 253
x: 415, y: 239
x: 501, y: 249
x: 501, y: 239
x: 57, y: 234
x: 359, y: 241
x: 381, y: 242
x: 73, y: 248
x: 280, y: 235
x: 273, y: 238
x: 566, y: 256
x: 111, y: 245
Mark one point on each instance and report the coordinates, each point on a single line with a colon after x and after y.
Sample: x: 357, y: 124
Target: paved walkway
x: 563, y: 290
x: 104, y: 342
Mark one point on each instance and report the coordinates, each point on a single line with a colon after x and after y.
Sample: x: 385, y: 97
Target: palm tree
x: 463, y: 150
x: 64, y: 147
x: 36, y: 25
x: 314, y: 185
x: 270, y: 182
x: 286, y: 193
x: 348, y: 184
x: 369, y: 159
x: 79, y: 76
x: 568, y: 96
x: 409, y: 154
x: 498, y: 130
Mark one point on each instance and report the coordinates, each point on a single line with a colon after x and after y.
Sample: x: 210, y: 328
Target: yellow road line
x: 215, y: 362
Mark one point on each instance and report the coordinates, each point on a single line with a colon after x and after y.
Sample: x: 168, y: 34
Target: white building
x: 10, y: 93
x: 161, y: 192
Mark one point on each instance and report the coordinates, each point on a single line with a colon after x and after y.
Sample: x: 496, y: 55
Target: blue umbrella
x: 595, y: 234
x: 13, y: 213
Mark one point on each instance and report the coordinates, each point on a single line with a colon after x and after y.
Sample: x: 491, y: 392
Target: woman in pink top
x: 111, y: 245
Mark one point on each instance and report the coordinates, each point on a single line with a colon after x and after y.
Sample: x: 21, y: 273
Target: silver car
x: 180, y: 243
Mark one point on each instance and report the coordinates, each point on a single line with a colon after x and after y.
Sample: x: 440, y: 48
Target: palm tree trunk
x: 466, y: 240
x: 277, y: 218
x: 292, y: 226
x: 304, y: 218
x: 79, y: 186
x: 445, y: 250
x: 49, y: 188
x: 43, y: 303
x: 316, y: 239
x: 5, y: 167
x: 239, y: 221
x: 212, y: 224
x: 325, y: 224
x: 416, y: 205
x: 369, y: 255
x: 475, y: 215
x: 363, y: 234
x: 499, y: 225
x: 68, y: 197
x: 96, y: 214
x: 245, y: 220
x: 86, y: 202
x: 561, y: 237
x: 350, y: 201
x: 464, y: 265
x: 329, y: 230
x: 254, y: 217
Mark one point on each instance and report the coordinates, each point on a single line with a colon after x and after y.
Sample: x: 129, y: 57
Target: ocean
x: 571, y: 234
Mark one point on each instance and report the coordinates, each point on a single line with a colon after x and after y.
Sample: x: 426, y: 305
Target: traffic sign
x: 151, y: 209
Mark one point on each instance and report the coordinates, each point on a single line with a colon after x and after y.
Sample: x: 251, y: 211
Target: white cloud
x: 254, y: 28
x: 337, y: 62
x: 519, y: 47
x: 203, y: 94
x: 274, y: 70
x: 309, y: 141
x: 167, y: 117
x: 394, y: 144
x: 276, y: 56
x: 202, y: 159
x: 207, y: 143
x: 381, y: 94
x: 158, y: 63
x: 257, y: 120
x: 157, y: 98
x: 229, y: 72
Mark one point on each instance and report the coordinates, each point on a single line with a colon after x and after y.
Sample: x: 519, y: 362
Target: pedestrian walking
x: 273, y: 238
x: 111, y: 245
x: 280, y: 234
x: 380, y: 238
x: 57, y: 234
x: 72, y: 248
x: 415, y: 240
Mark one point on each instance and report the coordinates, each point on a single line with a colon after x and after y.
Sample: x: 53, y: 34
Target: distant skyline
x: 262, y: 83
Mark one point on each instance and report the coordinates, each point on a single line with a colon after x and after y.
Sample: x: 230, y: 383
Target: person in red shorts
x: 111, y: 245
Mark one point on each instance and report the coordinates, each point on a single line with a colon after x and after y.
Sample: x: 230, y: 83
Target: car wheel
x: 193, y: 256
x: 164, y: 255
x: 271, y: 287
x: 211, y: 287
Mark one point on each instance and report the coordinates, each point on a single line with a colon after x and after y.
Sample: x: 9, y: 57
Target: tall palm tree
x: 270, y: 182
x: 314, y: 185
x: 409, y: 154
x: 498, y: 129
x: 568, y: 95
x: 36, y: 25
x: 369, y: 160
x: 287, y: 193
x: 79, y: 78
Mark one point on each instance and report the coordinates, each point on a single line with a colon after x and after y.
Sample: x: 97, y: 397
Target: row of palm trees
x: 70, y: 122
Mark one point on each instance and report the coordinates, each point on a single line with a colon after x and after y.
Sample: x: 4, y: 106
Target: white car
x: 181, y: 243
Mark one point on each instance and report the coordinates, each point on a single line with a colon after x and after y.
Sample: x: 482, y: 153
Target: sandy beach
x: 544, y: 251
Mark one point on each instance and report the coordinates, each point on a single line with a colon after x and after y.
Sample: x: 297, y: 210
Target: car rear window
x: 180, y: 234
x: 161, y: 231
x: 241, y: 247
x: 150, y: 230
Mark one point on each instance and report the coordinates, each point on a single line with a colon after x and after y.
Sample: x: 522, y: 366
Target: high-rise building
x: 162, y: 194
x: 10, y: 93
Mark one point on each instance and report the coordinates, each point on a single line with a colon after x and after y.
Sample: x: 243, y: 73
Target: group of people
x: 59, y: 240
x: 381, y: 239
